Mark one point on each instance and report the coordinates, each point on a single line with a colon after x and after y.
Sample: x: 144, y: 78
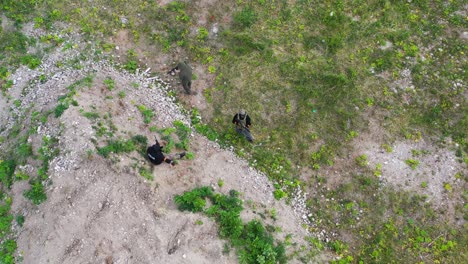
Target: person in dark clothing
x: 243, y: 123
x: 156, y: 156
x: 185, y: 75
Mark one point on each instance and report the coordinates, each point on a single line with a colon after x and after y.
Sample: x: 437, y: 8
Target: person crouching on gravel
x: 156, y: 156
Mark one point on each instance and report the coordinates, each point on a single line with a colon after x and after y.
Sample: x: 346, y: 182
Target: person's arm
x: 169, y: 161
x: 157, y: 146
x: 234, y: 119
x: 173, y: 69
x: 247, y: 121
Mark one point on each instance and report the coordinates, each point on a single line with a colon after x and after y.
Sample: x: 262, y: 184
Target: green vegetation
x: 138, y: 142
x: 312, y: 75
x: 91, y: 115
x: 145, y: 173
x: 7, y: 170
x: 176, y: 137
x: 412, y: 163
x: 147, y: 113
x: 7, y: 245
x: 65, y: 100
x: 109, y: 83
x: 362, y: 160
x: 37, y: 193
x: 220, y: 183
x: 5, y: 217
x: 254, y: 244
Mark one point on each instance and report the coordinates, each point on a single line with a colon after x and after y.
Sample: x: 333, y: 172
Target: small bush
x: 109, y: 83
x: 7, y: 251
x: 140, y: 139
x: 131, y: 66
x: 412, y: 163
x: 5, y: 217
x: 279, y: 194
x: 245, y: 18
x: 24, y: 150
x: 7, y: 169
x: 146, y: 174
x: 189, y: 155
x: 37, y: 193
x: 147, y: 113
x: 193, y: 201
x: 60, y: 109
x: 182, y: 131
x: 31, y: 61
x: 91, y: 115
x: 117, y: 146
x: 253, y: 242
x: 202, y: 34
x: 20, y: 220
x: 362, y: 160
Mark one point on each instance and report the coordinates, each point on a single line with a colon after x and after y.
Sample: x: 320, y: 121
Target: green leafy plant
x: 91, y: 115
x: 202, y: 34
x: 220, y: 183
x: 109, y: 83
x: 245, y: 18
x: 31, y: 61
x: 7, y: 170
x: 147, y: 113
x: 253, y: 242
x: 412, y: 163
x: 122, y: 146
x: 37, y: 193
x: 146, y: 174
x: 7, y: 251
x: 279, y: 194
x: 362, y: 160
x: 5, y: 216
x: 20, y: 220
x: 194, y: 200
x: 378, y: 170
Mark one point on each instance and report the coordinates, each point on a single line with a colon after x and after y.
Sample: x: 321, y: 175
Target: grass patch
x: 5, y: 217
x: 118, y: 146
x: 253, y: 242
x: 145, y: 173
x: 147, y: 113
x: 65, y: 101
x: 412, y: 163
x: 317, y: 71
x: 37, y: 193
x: 7, y: 170
x: 109, y: 83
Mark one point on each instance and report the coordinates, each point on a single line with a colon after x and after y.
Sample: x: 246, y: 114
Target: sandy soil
x: 103, y: 211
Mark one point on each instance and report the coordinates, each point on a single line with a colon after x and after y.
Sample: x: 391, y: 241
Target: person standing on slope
x: 243, y: 124
x: 185, y: 75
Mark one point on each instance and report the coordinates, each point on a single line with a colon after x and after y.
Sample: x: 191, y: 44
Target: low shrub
x: 253, y: 242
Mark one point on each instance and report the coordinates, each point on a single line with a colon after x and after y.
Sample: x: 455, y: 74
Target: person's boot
x: 182, y: 154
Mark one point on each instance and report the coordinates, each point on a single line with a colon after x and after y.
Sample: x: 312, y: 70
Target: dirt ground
x: 102, y: 211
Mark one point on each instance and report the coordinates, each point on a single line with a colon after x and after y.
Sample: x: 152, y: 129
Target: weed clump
x: 7, y: 169
x: 37, y: 193
x: 245, y: 18
x: 147, y: 113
